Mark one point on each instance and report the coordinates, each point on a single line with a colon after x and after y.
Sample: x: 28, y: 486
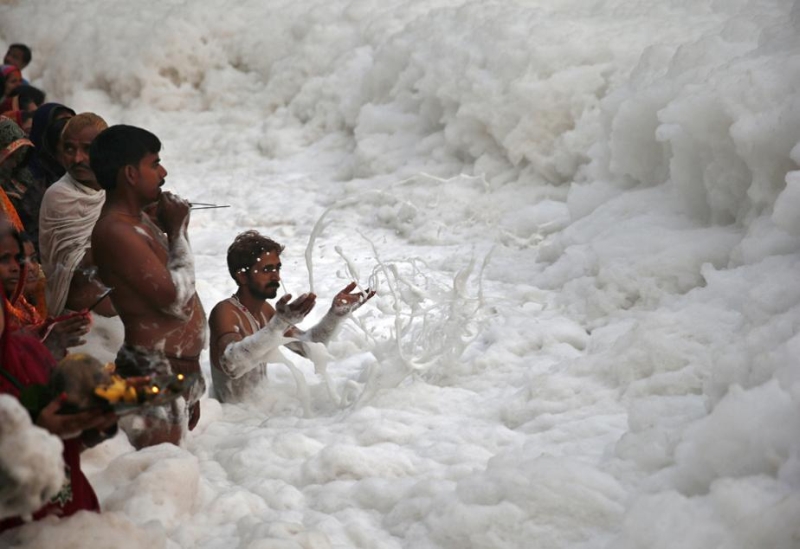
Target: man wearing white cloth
x: 68, y: 214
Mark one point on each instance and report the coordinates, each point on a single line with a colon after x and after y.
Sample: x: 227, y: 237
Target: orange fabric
x: 22, y: 314
x: 10, y: 211
x: 29, y: 362
x: 16, y: 145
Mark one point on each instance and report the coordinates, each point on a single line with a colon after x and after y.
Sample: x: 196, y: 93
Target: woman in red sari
x: 57, y: 335
x: 25, y: 367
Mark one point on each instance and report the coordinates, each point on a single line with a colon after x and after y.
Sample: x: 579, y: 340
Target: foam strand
x: 321, y: 224
x: 317, y: 230
x: 352, y: 270
x: 416, y: 336
x: 484, y: 264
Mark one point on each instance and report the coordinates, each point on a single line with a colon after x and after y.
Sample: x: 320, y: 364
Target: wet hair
x: 27, y: 95
x: 26, y: 52
x: 119, y: 146
x: 246, y: 249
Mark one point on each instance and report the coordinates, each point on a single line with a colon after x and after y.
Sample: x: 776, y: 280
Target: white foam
x: 581, y: 218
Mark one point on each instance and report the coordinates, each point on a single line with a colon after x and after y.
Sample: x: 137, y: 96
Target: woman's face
x: 13, y: 81
x: 14, y: 159
x: 9, y: 263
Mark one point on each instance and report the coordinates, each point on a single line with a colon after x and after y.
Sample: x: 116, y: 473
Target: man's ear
x: 130, y: 173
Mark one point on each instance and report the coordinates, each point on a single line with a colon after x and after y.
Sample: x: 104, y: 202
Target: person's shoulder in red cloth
x: 26, y: 362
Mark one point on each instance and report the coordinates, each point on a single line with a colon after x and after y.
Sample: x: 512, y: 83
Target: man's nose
x: 81, y: 157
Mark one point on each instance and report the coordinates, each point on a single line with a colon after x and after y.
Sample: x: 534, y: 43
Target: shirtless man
x: 152, y: 274
x: 245, y: 329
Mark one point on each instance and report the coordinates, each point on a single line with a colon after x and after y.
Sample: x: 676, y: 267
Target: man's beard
x: 264, y: 293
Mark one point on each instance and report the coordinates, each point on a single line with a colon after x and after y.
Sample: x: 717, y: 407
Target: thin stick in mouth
x: 203, y: 206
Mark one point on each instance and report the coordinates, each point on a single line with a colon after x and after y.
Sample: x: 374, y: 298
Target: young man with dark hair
x: 245, y: 329
x: 152, y: 274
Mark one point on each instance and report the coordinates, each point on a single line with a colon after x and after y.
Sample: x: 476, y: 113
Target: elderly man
x: 151, y: 269
x: 69, y: 210
x: 245, y: 329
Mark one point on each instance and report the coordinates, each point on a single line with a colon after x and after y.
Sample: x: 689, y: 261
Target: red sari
x: 29, y: 362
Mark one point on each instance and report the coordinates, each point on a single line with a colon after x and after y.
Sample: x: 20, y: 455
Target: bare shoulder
x: 225, y: 323
x: 115, y: 234
x: 221, y: 311
x: 108, y: 228
x: 224, y: 318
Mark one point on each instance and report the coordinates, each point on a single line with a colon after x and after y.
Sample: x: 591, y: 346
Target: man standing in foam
x: 69, y: 210
x: 151, y: 269
x: 245, y: 329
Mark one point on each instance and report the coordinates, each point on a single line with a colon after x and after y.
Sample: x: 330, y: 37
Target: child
x: 18, y: 55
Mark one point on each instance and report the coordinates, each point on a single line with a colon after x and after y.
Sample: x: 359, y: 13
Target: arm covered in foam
x: 324, y: 330
x: 239, y: 357
x: 345, y: 302
x: 180, y: 265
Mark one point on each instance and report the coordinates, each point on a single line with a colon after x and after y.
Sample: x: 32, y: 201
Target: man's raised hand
x: 295, y: 311
x: 347, y: 301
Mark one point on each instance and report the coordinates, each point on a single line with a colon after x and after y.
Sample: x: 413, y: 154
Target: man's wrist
x: 279, y: 323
